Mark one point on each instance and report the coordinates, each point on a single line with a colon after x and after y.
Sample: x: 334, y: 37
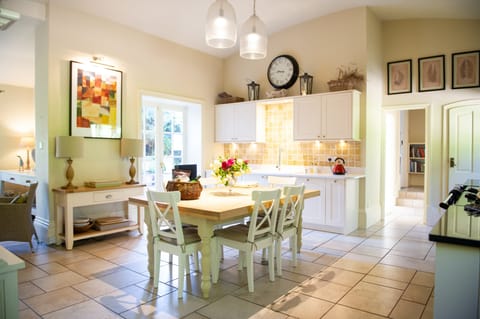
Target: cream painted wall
x: 412, y: 39
x: 320, y: 47
x: 17, y: 120
x: 147, y: 63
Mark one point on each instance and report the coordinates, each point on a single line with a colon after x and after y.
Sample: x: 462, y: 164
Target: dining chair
x: 280, y: 181
x: 170, y: 236
x: 288, y: 223
x: 259, y: 234
x: 277, y: 181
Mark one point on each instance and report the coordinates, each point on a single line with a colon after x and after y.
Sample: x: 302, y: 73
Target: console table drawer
x: 109, y: 196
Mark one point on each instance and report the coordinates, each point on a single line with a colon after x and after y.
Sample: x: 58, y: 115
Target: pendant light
x: 221, y: 25
x: 253, y: 38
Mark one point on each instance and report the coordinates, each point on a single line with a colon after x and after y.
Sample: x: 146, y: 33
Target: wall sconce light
x: 28, y: 142
x: 306, y: 81
x: 130, y: 147
x: 253, y: 91
x: 68, y: 147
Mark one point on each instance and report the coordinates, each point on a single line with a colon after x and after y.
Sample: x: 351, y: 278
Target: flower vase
x: 231, y: 181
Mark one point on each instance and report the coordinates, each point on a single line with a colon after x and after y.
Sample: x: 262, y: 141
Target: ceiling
x: 182, y: 21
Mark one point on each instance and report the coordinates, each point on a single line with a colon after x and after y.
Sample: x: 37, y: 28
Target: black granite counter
x: 456, y: 226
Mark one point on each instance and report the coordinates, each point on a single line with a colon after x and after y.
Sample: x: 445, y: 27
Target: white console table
x: 9, y: 265
x: 24, y: 178
x: 66, y: 201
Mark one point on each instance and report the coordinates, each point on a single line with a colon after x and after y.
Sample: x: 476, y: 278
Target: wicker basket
x: 188, y: 190
x: 341, y: 85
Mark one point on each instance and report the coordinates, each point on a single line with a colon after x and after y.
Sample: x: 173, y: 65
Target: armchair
x: 16, y: 222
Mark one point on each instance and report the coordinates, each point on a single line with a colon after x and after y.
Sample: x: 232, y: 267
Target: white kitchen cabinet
x: 314, y: 208
x: 239, y: 122
x: 336, y: 209
x: 327, y: 116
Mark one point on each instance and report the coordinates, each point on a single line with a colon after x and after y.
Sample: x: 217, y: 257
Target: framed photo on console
x: 465, y: 70
x: 399, y: 74
x: 95, y: 101
x: 431, y: 73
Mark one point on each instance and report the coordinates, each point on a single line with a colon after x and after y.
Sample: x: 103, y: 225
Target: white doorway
x: 404, y: 160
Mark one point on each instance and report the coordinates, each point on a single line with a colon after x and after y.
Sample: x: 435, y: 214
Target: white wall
x: 147, y: 63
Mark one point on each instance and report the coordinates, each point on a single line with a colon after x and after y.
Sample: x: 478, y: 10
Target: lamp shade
x: 27, y: 141
x: 69, y: 146
x: 221, y: 25
x: 131, y: 147
x: 253, y: 39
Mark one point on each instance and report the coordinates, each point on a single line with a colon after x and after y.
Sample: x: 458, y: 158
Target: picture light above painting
x: 95, y: 101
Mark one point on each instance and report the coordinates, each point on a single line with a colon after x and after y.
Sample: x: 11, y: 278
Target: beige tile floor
x: 386, y: 271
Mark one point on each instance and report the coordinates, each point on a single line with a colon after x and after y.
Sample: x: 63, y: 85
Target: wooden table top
x: 218, y: 204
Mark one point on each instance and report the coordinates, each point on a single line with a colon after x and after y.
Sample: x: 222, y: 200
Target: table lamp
x: 131, y: 147
x: 28, y: 142
x: 68, y: 147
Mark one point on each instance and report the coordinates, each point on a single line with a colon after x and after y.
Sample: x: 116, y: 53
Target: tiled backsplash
x: 279, y: 144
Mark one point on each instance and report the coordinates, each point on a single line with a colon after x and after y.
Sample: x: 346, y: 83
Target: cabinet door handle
x: 108, y: 196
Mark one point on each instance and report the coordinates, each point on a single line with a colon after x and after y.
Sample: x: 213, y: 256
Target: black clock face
x: 283, y: 72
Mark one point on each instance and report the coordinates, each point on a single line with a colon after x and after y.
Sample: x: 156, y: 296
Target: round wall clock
x: 282, y: 71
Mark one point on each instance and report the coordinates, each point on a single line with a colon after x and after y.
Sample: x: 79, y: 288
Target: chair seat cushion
x: 190, y: 234
x: 237, y: 232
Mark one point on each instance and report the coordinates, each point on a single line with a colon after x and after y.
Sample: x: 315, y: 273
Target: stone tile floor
x: 386, y: 271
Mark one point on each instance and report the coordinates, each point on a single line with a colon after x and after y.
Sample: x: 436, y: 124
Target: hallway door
x: 464, y: 144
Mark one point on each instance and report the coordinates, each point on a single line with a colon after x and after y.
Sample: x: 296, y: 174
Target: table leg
x: 205, y: 232
x: 146, y: 220
x: 68, y: 227
x: 139, y: 220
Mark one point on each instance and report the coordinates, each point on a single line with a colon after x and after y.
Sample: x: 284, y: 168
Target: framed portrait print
x: 399, y: 74
x: 95, y: 101
x: 431, y: 73
x: 465, y: 70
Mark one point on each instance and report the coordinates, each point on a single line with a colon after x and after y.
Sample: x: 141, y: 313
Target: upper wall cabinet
x: 327, y: 116
x: 239, y: 122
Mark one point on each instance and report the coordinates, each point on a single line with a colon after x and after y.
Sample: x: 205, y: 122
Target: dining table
x: 215, y: 207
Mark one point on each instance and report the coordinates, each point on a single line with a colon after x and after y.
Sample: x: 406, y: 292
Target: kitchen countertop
x: 315, y: 172
x: 456, y: 226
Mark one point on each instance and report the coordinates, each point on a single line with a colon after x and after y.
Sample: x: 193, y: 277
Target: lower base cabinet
x: 336, y: 210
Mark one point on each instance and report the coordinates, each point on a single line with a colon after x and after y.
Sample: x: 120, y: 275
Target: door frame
x: 445, y: 136
x: 407, y: 107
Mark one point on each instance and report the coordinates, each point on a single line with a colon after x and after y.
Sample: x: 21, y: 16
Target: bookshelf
x: 417, y: 158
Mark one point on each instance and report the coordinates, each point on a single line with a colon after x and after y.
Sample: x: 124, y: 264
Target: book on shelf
x: 108, y: 223
x: 103, y: 183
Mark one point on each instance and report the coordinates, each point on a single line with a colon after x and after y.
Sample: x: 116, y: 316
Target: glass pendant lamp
x: 221, y: 25
x: 253, y: 38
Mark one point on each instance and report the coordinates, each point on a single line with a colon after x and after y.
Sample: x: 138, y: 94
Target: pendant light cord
x: 254, y: 11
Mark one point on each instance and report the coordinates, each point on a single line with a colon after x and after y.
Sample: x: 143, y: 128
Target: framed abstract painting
x: 95, y: 101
